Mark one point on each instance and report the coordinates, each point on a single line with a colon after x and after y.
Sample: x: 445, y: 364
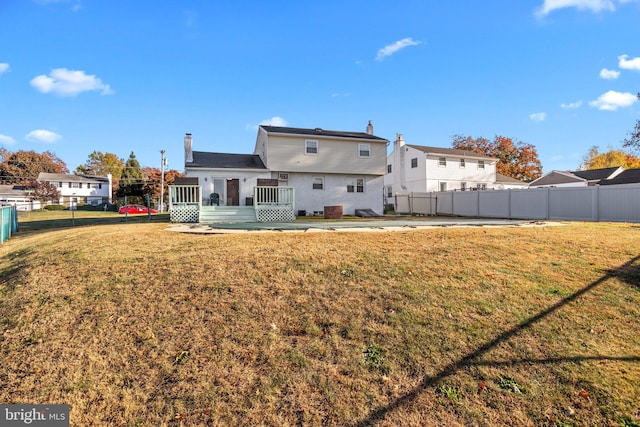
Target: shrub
x: 55, y: 207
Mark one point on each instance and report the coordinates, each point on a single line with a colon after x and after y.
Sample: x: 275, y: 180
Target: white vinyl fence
x: 620, y: 203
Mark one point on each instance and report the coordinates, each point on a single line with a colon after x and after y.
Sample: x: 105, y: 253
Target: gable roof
x: 450, y: 152
x: 596, y: 174
x: 12, y: 190
x: 204, y: 159
x: 63, y: 177
x: 629, y: 176
x: 555, y: 178
x: 503, y: 179
x: 319, y: 132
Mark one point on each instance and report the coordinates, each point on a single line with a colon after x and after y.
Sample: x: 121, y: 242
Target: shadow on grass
x: 628, y: 272
x: 37, y: 226
x: 9, y: 276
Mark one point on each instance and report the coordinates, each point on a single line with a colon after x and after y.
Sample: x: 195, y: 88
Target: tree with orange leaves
x: 518, y: 160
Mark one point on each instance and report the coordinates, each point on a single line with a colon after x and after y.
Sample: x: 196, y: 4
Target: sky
x: 78, y: 76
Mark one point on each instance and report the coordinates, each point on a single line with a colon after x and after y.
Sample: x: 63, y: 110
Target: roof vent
x: 319, y: 130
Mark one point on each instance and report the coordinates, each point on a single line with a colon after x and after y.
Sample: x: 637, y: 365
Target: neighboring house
x: 15, y: 195
x: 504, y: 182
x: 416, y: 168
x: 325, y: 167
x: 581, y: 178
x: 629, y: 176
x: 76, y: 189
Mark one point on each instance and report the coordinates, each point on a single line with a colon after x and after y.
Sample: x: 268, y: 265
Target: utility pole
x: 162, y: 164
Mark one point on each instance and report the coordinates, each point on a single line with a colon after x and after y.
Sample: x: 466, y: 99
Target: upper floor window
x: 56, y: 184
x: 480, y: 164
x: 463, y: 186
x: 414, y: 162
x: 75, y: 185
x: 318, y: 183
x: 311, y: 147
x: 442, y: 161
x: 96, y: 186
x: 462, y: 163
x: 388, y: 168
x: 364, y: 150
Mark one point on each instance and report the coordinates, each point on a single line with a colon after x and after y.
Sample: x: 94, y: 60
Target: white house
x: 325, y: 167
x: 15, y: 195
x: 76, y: 189
x: 416, y: 168
x: 580, y: 178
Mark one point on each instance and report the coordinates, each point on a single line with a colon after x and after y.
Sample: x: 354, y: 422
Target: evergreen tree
x: 132, y: 179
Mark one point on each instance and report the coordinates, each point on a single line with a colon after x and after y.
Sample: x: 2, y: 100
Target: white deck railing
x: 185, y: 203
x: 274, y: 204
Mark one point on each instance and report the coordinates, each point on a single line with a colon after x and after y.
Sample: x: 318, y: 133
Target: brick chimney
x: 370, y: 128
x: 188, y: 149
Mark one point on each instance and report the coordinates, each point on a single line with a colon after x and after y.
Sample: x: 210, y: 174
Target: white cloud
x: 609, y: 74
x: 592, y: 5
x: 538, y: 117
x: 42, y: 135
x: 4, y: 67
x: 628, y: 64
x: 571, y: 105
x: 394, y: 47
x: 613, y: 100
x: 6, y: 140
x: 64, y: 82
x: 273, y: 121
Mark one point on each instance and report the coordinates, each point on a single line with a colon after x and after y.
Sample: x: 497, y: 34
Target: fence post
x: 597, y: 202
x: 548, y: 203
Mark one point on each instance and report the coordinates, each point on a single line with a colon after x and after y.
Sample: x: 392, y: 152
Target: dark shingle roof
x: 629, y: 176
x: 555, y: 178
x: 595, y: 174
x: 63, y: 177
x: 322, y: 132
x: 450, y: 151
x: 203, y: 159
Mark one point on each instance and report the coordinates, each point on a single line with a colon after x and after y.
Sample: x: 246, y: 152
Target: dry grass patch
x: 133, y: 325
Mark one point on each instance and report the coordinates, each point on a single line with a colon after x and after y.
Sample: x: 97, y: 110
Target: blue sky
x: 121, y: 76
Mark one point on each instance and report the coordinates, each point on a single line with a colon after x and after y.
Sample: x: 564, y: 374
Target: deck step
x: 218, y: 214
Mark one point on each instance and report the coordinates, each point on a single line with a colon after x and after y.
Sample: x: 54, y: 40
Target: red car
x: 135, y: 209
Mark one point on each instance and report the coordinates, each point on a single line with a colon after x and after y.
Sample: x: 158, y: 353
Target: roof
x: 63, y: 177
x: 508, y: 180
x: 319, y: 132
x: 12, y: 189
x: 555, y: 178
x: 450, y: 152
x: 204, y: 159
x: 629, y: 176
x: 596, y: 174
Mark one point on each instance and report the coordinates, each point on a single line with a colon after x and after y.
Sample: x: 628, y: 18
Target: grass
x: 134, y: 325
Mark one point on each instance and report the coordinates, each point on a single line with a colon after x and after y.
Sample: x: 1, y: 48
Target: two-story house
x: 416, y: 168
x: 325, y: 167
x: 76, y: 189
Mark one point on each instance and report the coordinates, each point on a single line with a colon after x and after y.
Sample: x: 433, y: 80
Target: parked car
x: 135, y: 209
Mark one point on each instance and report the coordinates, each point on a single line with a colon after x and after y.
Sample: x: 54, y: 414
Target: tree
x: 44, y: 191
x: 102, y: 164
x: 153, y: 178
x: 594, y: 159
x: 24, y: 166
x: 518, y: 160
x: 132, y: 180
x: 633, y: 141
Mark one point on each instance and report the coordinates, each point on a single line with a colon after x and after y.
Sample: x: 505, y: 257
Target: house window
x: 56, y: 184
x: 75, y: 185
x: 364, y: 150
x: 389, y: 191
x: 96, y: 186
x: 414, y: 162
x: 442, y: 161
x: 388, y: 168
x: 443, y: 186
x: 311, y: 148
x: 318, y: 183
x: 356, y: 185
x: 462, y: 163
x: 482, y: 186
x: 480, y: 164
x: 463, y: 186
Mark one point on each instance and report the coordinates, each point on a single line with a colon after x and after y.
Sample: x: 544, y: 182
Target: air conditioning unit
x: 283, y: 176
